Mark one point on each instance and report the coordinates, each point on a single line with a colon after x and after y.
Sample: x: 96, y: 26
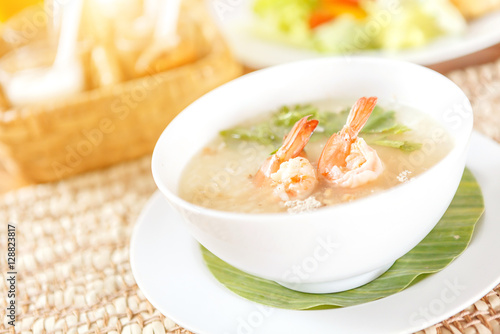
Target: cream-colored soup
x: 221, y: 175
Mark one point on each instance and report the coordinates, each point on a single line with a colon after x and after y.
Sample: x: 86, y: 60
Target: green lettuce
x: 388, y: 25
x: 380, y: 128
x: 404, y: 145
x: 285, y: 21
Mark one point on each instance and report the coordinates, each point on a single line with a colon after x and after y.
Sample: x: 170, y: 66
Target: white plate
x: 169, y: 269
x: 235, y: 16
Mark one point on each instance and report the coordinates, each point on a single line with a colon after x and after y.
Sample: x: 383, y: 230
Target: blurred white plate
x: 235, y: 16
x: 168, y: 267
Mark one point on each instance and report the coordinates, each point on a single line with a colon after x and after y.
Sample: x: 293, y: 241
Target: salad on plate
x: 343, y: 26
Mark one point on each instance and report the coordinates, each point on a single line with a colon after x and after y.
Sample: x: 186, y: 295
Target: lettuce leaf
x: 260, y: 133
x: 404, y: 145
x: 285, y: 21
x: 380, y: 126
x: 388, y: 25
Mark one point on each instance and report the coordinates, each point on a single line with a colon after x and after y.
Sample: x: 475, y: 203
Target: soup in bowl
x: 212, y: 167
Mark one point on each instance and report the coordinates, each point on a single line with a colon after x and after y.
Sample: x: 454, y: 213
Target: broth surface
x: 220, y: 176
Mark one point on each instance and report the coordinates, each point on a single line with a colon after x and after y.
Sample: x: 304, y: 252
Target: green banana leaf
x: 449, y: 238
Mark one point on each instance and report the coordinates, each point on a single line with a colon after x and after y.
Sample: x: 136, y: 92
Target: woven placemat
x: 73, y: 238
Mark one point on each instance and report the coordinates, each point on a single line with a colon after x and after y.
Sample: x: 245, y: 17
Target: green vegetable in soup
x: 379, y: 128
x: 403, y: 145
x: 260, y: 133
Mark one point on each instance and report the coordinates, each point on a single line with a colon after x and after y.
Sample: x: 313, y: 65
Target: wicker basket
x: 104, y: 126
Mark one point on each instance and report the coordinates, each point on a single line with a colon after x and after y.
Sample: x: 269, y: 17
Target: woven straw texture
x: 73, y: 245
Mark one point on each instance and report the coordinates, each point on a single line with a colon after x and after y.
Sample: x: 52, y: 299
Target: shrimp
x: 288, y: 171
x: 347, y: 160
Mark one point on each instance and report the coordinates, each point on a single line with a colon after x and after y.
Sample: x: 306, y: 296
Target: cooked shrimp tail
x: 297, y: 139
x: 291, y: 174
x: 347, y: 160
x: 338, y: 146
x: 359, y: 114
x: 292, y: 147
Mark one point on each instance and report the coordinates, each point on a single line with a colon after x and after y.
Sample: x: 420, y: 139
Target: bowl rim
x: 453, y: 154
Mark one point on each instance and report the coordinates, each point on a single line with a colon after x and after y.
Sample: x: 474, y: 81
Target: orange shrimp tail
x: 297, y: 139
x: 338, y: 147
x: 293, y: 146
x: 359, y: 114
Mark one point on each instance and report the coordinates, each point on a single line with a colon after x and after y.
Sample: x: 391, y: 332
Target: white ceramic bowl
x: 334, y: 248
